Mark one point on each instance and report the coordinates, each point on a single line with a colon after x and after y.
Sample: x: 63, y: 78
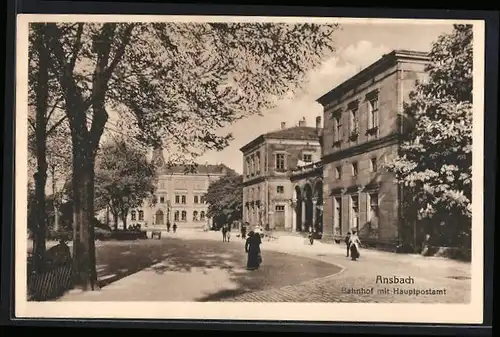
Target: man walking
x: 347, y: 240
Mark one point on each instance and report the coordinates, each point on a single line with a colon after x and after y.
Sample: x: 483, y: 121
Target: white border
x: 379, y: 312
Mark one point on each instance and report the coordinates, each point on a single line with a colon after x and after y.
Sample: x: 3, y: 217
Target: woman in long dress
x: 252, y: 247
x: 354, y: 244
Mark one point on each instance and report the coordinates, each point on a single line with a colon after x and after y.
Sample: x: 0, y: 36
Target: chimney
x: 283, y: 125
x: 302, y: 122
x: 318, y: 123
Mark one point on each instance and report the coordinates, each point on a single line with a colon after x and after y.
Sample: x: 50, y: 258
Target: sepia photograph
x: 231, y: 167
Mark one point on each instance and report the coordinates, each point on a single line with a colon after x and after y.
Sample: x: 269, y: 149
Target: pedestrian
x: 354, y: 244
x: 311, y: 235
x: 244, y: 230
x: 174, y: 227
x: 346, y: 240
x: 168, y: 226
x: 224, y: 232
x: 252, y: 248
x: 228, y: 233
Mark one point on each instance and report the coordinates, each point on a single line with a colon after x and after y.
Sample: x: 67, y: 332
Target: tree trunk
x: 54, y: 200
x: 115, y: 219
x: 83, y: 214
x: 107, y: 216
x: 42, y: 96
x: 124, y: 219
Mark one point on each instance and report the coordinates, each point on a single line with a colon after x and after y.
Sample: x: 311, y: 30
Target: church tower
x: 158, y: 159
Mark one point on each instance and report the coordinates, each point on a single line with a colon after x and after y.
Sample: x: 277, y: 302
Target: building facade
x: 343, y: 186
x: 268, y: 161
x: 364, y: 118
x: 179, y: 196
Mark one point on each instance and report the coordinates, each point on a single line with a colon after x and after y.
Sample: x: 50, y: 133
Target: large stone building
x: 268, y: 161
x: 179, y: 196
x: 363, y: 122
x: 344, y: 186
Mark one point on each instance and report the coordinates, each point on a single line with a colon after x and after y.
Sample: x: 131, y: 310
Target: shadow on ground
x: 277, y: 270
x: 118, y: 260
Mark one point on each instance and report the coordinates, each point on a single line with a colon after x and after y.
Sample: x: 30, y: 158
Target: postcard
x: 249, y: 168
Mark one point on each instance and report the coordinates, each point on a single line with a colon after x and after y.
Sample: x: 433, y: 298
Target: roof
x: 382, y: 64
x: 305, y: 133
x: 219, y: 169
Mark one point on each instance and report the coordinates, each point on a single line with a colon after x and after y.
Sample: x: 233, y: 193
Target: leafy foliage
x: 180, y: 82
x: 124, y: 178
x: 225, y: 199
x: 435, y: 160
x: 175, y: 84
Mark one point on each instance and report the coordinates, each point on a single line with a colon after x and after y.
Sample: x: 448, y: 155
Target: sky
x: 358, y: 46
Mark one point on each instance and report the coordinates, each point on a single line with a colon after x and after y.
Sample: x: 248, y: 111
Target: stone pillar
x: 303, y: 215
x: 314, y: 202
x: 294, y: 215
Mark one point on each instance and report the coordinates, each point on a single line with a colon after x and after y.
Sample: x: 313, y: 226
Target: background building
x: 268, y: 162
x: 179, y: 196
x: 363, y: 121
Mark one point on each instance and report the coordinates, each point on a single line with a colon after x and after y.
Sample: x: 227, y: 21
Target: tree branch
x: 54, y: 107
x: 127, y: 34
x: 56, y: 124
x: 77, y: 46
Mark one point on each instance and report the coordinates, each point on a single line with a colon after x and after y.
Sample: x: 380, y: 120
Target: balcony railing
x: 307, y: 168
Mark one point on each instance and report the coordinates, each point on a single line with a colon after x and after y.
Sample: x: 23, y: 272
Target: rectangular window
x: 354, y: 169
x: 353, y: 120
x: 177, y: 199
x: 373, y: 112
x: 307, y: 157
x: 176, y: 216
x: 257, y: 163
x: 280, y: 208
x: 338, y: 172
x: 280, y: 161
x: 183, y: 199
x: 195, y: 199
x: 337, y: 129
x: 183, y: 215
x: 162, y: 200
x: 141, y: 215
x: 280, y: 189
x: 337, y: 215
x: 354, y: 212
x: 202, y: 199
x: 373, y: 164
x: 132, y: 216
x: 373, y: 206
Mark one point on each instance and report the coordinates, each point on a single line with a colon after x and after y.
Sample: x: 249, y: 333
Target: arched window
x: 202, y: 215
x: 141, y: 215
x: 195, y: 215
x: 159, y: 217
x: 184, y: 216
x: 176, y: 216
x: 133, y: 216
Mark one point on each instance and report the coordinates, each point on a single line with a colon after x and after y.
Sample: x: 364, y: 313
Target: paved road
x: 193, y: 269
x: 170, y: 266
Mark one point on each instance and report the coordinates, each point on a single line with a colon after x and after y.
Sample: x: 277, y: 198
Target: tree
x: 225, y: 199
x: 177, y: 82
x: 435, y: 160
x: 124, y: 178
x: 43, y: 100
